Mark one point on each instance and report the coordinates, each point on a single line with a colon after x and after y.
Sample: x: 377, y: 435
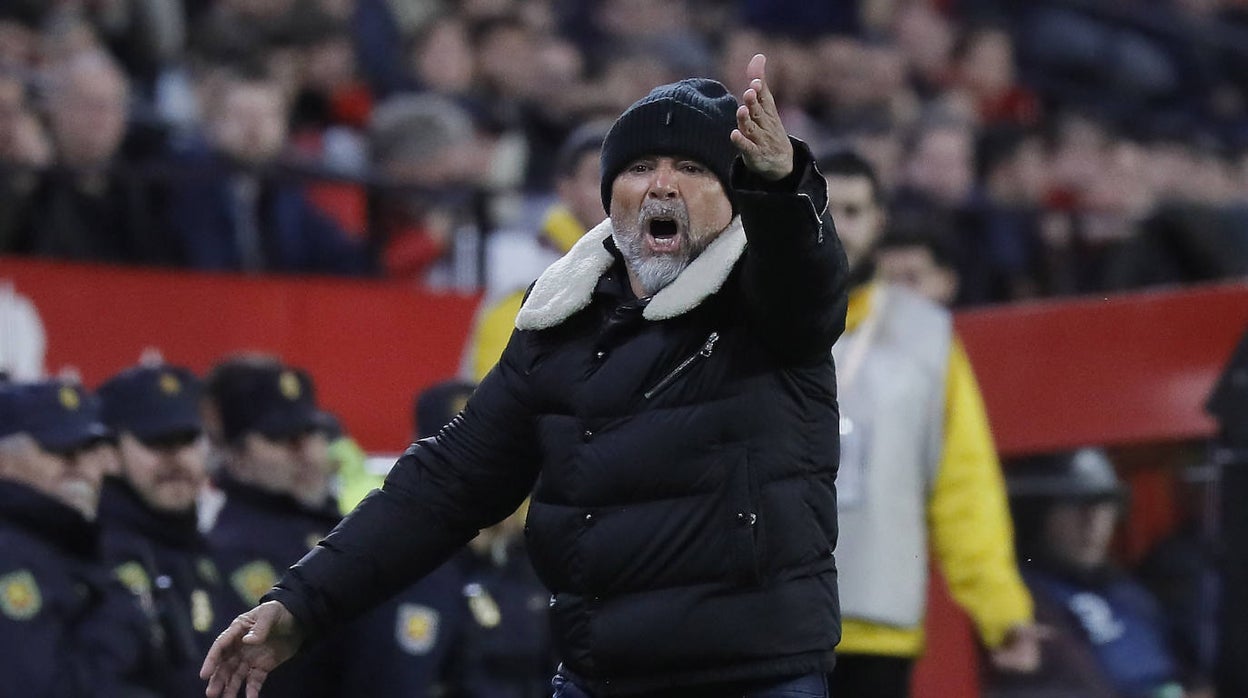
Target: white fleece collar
x: 567, y: 286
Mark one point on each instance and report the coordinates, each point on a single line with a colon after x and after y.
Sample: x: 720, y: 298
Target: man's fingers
x: 220, y: 646
x: 745, y: 122
x: 255, y: 679
x: 757, y: 69
x: 235, y: 682
x: 747, y: 147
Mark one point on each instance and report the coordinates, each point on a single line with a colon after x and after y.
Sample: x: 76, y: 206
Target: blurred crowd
x: 1044, y: 148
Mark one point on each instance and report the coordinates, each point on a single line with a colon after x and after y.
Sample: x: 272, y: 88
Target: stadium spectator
x: 1108, y: 634
x: 91, y: 205
x: 422, y: 145
x: 917, y: 459
x: 516, y: 258
x: 233, y: 210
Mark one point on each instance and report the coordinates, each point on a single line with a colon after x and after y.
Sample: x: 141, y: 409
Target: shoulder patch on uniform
x: 134, y: 577
x: 19, y: 595
x: 201, y: 611
x: 207, y: 570
x: 483, y: 606
x: 416, y: 628
x: 253, y: 580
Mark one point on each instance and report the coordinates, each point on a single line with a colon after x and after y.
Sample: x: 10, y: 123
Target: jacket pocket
x: 708, y: 347
x: 745, y: 525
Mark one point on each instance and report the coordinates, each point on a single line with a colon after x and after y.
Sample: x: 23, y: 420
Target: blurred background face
x: 72, y: 478
x: 1079, y: 534
x: 298, y: 467
x: 987, y: 68
x: 916, y: 269
x: 580, y: 191
x: 314, y: 476
x: 269, y: 464
x: 87, y: 111
x: 505, y: 60
x: 443, y: 59
x: 167, y: 474
x: 250, y: 124
x: 856, y: 214
x: 329, y: 64
x: 941, y: 165
x: 17, y: 44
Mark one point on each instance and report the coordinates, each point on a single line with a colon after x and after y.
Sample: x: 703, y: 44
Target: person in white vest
x: 918, y: 467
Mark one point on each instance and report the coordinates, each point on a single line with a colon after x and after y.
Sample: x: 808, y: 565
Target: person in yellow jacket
x: 513, y: 267
x: 918, y: 468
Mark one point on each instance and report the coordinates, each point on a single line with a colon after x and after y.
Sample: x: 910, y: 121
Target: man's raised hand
x: 761, y: 138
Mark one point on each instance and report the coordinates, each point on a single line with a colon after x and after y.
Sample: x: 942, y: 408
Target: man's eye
x: 638, y: 167
x: 690, y: 168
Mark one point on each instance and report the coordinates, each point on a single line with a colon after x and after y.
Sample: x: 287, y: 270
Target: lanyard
x: 856, y: 355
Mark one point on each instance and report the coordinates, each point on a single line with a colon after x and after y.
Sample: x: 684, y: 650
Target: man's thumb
x: 260, y: 630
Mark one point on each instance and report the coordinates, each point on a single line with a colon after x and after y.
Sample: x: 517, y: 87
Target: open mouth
x: 663, y: 234
x: 663, y: 228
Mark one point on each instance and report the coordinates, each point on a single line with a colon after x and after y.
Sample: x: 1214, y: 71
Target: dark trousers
x: 808, y: 686
x: 871, y: 676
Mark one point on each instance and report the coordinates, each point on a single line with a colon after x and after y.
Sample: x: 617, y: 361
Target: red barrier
x: 1115, y: 370
x: 369, y: 345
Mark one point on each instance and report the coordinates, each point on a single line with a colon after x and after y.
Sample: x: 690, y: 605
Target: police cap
x: 272, y: 399
x: 153, y: 402
x: 59, y: 415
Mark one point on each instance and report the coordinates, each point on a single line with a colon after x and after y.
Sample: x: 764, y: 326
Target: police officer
x: 412, y: 644
x: 148, y: 514
x: 506, y: 648
x: 67, y: 628
x: 275, y: 474
x: 278, y: 481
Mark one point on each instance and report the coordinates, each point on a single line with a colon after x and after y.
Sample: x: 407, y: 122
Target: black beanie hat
x: 694, y: 118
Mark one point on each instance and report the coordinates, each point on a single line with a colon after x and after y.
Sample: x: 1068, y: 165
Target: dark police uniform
x: 410, y: 645
x: 258, y: 535
x: 403, y: 648
x: 67, y: 627
x: 161, y: 556
x: 507, y: 650
x: 164, y: 560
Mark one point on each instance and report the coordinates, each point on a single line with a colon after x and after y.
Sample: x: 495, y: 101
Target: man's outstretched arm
x: 796, y: 275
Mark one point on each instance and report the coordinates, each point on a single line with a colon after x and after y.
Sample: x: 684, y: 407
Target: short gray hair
x: 413, y: 127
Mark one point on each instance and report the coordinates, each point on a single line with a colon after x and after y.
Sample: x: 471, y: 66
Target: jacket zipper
x: 703, y: 353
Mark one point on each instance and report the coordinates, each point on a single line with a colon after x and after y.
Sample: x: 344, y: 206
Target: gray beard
x: 654, y: 273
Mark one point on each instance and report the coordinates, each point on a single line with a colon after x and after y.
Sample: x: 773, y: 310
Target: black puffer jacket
x: 684, y: 453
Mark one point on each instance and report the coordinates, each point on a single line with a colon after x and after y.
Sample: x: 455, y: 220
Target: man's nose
x: 663, y: 183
